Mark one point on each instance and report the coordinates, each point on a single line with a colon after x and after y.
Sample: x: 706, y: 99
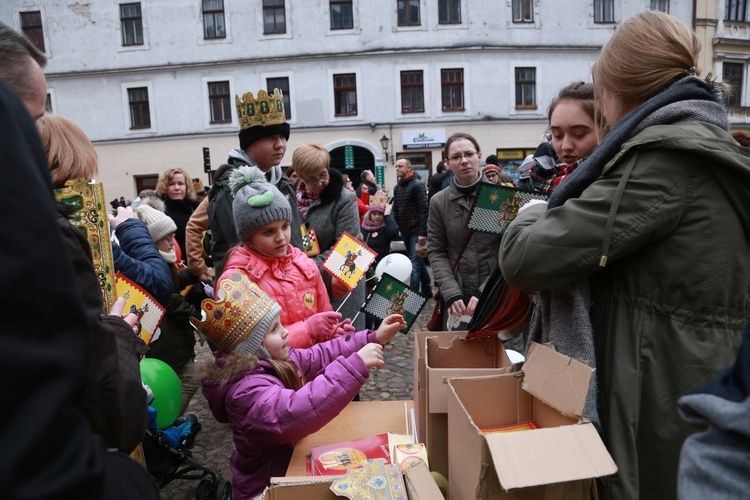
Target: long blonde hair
x: 69, y: 152
x: 646, y: 54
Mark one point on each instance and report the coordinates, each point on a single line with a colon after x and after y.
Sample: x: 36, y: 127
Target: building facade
x: 152, y: 82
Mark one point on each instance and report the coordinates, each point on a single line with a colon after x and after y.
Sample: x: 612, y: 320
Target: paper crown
x: 379, y: 200
x: 241, y: 306
x: 264, y: 111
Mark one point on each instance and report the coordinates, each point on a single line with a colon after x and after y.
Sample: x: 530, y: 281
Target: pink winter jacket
x: 294, y: 282
x: 267, y: 419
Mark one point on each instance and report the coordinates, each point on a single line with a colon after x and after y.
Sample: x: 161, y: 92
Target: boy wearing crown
x: 263, y: 136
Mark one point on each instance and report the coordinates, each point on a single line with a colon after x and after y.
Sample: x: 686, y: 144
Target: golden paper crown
x: 262, y: 111
x: 379, y: 199
x: 242, y: 309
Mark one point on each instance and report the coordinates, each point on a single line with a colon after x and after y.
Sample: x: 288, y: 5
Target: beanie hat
x: 159, y: 224
x: 256, y: 201
x: 252, y: 134
x: 492, y: 160
x: 492, y: 168
x: 237, y: 321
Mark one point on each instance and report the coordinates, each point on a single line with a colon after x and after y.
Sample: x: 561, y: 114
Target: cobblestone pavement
x: 214, y: 445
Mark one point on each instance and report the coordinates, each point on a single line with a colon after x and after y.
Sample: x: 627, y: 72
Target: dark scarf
x: 468, y: 189
x: 563, y: 316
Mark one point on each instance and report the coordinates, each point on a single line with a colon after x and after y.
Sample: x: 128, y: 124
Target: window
x: 660, y: 5
x: 604, y: 11
x: 523, y: 11
x: 526, y: 88
x: 48, y: 104
x: 219, y: 102
x: 732, y: 74
x: 140, y: 114
x: 132, y: 24
x: 31, y: 25
x: 274, y: 17
x: 408, y: 12
x: 412, y: 92
x: 449, y: 11
x: 345, y: 94
x: 213, y: 19
x: 281, y: 83
x: 341, y: 15
x: 452, y: 89
x: 735, y: 10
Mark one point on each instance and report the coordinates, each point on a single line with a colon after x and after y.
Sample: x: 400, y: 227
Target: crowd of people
x: 637, y: 264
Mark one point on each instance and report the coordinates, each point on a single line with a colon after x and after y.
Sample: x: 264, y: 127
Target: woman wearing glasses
x: 447, y: 235
x: 329, y: 209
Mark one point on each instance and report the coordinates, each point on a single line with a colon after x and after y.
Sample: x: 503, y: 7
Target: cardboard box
x: 558, y: 460
x: 454, y: 356
x: 419, y: 486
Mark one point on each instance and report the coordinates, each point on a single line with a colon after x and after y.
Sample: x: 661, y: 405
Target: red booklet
x: 337, y: 458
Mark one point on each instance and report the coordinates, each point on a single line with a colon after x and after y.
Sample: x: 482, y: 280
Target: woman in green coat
x: 654, y: 225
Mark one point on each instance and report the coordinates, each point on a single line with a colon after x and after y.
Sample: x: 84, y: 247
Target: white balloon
x: 397, y: 265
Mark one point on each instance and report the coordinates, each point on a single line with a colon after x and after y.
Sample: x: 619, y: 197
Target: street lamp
x: 384, y: 143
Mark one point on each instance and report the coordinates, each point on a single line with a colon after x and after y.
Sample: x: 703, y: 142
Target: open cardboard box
x: 558, y: 460
x: 359, y: 419
x: 448, y: 356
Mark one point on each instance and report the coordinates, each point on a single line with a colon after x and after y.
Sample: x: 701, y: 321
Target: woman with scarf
x: 654, y: 226
x: 461, y: 259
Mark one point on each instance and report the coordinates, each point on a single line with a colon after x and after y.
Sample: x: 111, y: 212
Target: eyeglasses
x: 457, y: 157
x: 169, y: 239
x: 315, y: 180
x: 491, y: 175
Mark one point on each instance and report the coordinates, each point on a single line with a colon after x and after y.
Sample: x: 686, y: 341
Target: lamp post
x: 384, y: 143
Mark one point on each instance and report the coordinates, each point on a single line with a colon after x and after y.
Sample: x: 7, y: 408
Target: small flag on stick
x: 495, y: 206
x: 391, y: 296
x: 139, y: 302
x: 349, y: 260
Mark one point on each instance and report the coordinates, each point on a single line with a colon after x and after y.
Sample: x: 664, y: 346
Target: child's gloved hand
x: 320, y: 325
x: 343, y: 328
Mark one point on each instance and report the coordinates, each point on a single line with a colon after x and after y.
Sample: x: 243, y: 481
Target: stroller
x: 168, y: 457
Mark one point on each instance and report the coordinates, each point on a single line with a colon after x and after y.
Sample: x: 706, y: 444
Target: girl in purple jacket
x: 271, y: 394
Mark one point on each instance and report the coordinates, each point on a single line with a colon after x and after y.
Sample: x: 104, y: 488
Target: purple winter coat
x: 267, y: 419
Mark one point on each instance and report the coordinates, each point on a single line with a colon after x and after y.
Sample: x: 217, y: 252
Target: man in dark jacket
x: 410, y: 211
x: 436, y: 181
x: 262, y: 144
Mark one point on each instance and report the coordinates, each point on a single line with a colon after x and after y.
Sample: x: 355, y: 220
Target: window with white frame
x: 342, y: 14
x: 131, y: 22
x: 525, y: 88
x: 604, y: 11
x: 31, y: 26
x: 140, y: 111
x: 219, y: 102
x: 281, y: 83
x: 660, y: 5
x: 449, y: 11
x: 213, y: 19
x: 412, y: 91
x: 274, y: 17
x: 408, y: 12
x: 733, y: 75
x: 523, y: 11
x: 452, y: 89
x: 345, y: 94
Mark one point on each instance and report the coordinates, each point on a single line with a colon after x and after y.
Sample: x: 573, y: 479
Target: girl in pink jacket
x: 263, y: 216
x: 270, y: 394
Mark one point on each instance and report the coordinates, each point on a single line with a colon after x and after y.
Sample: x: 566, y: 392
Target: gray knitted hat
x: 256, y: 201
x: 159, y: 224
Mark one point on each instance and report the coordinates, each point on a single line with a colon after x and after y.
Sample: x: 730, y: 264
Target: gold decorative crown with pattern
x: 264, y: 111
x: 241, y: 308
x: 379, y: 200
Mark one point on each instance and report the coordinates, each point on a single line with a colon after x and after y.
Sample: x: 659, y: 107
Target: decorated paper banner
x: 349, y: 260
x: 495, y: 206
x: 376, y: 479
x: 91, y: 218
x: 309, y: 241
x: 139, y: 302
x: 391, y: 296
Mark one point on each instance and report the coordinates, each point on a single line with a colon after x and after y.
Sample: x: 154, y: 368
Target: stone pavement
x: 214, y: 445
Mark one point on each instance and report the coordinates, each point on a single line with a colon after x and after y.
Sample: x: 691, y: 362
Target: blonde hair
x: 310, y: 159
x: 646, y: 54
x: 163, y: 182
x: 69, y: 152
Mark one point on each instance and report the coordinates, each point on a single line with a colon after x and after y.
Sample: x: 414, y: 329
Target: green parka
x: 670, y: 305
